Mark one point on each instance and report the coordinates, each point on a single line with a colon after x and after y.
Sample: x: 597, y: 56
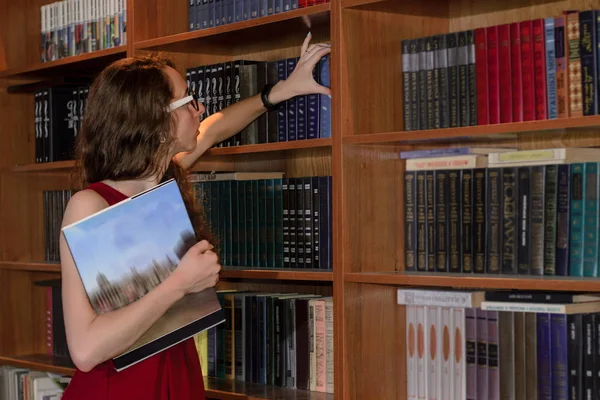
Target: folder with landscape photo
x: 124, y: 251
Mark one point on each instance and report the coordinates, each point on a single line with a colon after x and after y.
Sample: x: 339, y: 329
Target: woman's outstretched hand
x: 301, y: 80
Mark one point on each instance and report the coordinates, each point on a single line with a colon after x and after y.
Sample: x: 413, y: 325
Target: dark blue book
x: 313, y: 109
x: 544, y: 356
x: 559, y: 358
x: 191, y: 15
x: 282, y: 110
x: 292, y: 105
x: 325, y: 101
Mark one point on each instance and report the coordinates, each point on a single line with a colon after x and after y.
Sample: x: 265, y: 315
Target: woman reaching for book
x: 142, y: 125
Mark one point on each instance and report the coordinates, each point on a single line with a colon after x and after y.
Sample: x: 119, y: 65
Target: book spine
x: 587, y: 349
x: 493, y: 74
x: 472, y: 87
x: 493, y: 356
x: 431, y: 82
x: 563, y: 216
x: 434, y: 101
x: 454, y: 221
x: 559, y: 357
x: 537, y: 185
x: 539, y: 68
x: 524, y: 253
x: 443, y: 81
x: 575, y: 345
x: 574, y: 65
x: 406, y: 87
x: 562, y: 78
x: 447, y: 353
x: 516, y: 72
x: 482, y: 354
x: 528, y: 73
x: 442, y: 202
x: 590, y: 225
x: 544, y: 356
x: 453, y: 80
x: 467, y: 220
x: 577, y: 220
x: 506, y: 355
x: 411, y: 352
x: 550, y: 219
x: 509, y: 221
x: 422, y: 235
x: 430, y: 212
x: 588, y: 51
x: 551, y: 68
x: 422, y: 364
x: 493, y: 219
x: 471, y: 353
x: 434, y: 350
x: 463, y: 80
x: 459, y: 377
x: 482, y: 82
x: 414, y: 85
x: 531, y: 358
x: 423, y: 122
x: 479, y: 228
x: 505, y: 73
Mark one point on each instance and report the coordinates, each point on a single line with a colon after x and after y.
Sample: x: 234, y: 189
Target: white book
x: 546, y: 308
x: 447, y: 353
x: 441, y: 298
x: 460, y: 354
x: 422, y: 356
x: 434, y: 383
x: 468, y: 161
x: 544, y: 156
x: 411, y: 352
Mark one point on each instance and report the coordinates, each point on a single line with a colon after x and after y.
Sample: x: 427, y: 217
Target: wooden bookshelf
x: 362, y: 156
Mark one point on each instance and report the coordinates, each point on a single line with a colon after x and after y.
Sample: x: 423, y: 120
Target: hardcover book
x: 124, y: 251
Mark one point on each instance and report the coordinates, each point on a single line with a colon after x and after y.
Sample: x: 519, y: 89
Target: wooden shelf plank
x: 221, y: 389
x: 267, y: 147
x: 44, y: 167
x: 75, y: 64
x: 30, y: 266
x: 40, y: 362
x: 292, y: 274
x: 479, y: 281
x: 498, y: 131
x: 294, y: 21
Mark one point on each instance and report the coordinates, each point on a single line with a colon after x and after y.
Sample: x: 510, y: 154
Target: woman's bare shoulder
x: 82, y: 204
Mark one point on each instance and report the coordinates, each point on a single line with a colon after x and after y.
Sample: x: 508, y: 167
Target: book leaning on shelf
x: 126, y: 250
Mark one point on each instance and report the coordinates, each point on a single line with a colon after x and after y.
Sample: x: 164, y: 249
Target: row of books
x: 276, y: 339
x: 204, y: 14
x: 539, y: 69
x: 74, y: 27
x: 514, y: 212
x: 299, y: 118
x: 268, y: 221
x: 55, y: 202
x: 24, y: 384
x: 59, y: 113
x: 502, y: 344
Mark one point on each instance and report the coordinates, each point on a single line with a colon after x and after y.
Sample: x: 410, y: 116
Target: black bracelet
x: 264, y: 95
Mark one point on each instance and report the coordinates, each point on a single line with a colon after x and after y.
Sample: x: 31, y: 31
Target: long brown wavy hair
x: 125, y: 133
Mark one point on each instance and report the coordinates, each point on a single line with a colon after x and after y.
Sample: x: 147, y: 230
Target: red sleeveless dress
x: 172, y: 374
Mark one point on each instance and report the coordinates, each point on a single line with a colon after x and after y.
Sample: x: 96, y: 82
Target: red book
x: 493, y: 75
x: 516, y: 76
x: 527, y: 71
x: 505, y: 73
x: 303, y: 3
x: 481, y: 76
x: 539, y: 67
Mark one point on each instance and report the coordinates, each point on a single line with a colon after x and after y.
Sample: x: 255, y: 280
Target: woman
x: 140, y: 124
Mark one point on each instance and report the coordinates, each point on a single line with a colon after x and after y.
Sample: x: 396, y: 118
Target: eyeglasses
x: 191, y: 97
